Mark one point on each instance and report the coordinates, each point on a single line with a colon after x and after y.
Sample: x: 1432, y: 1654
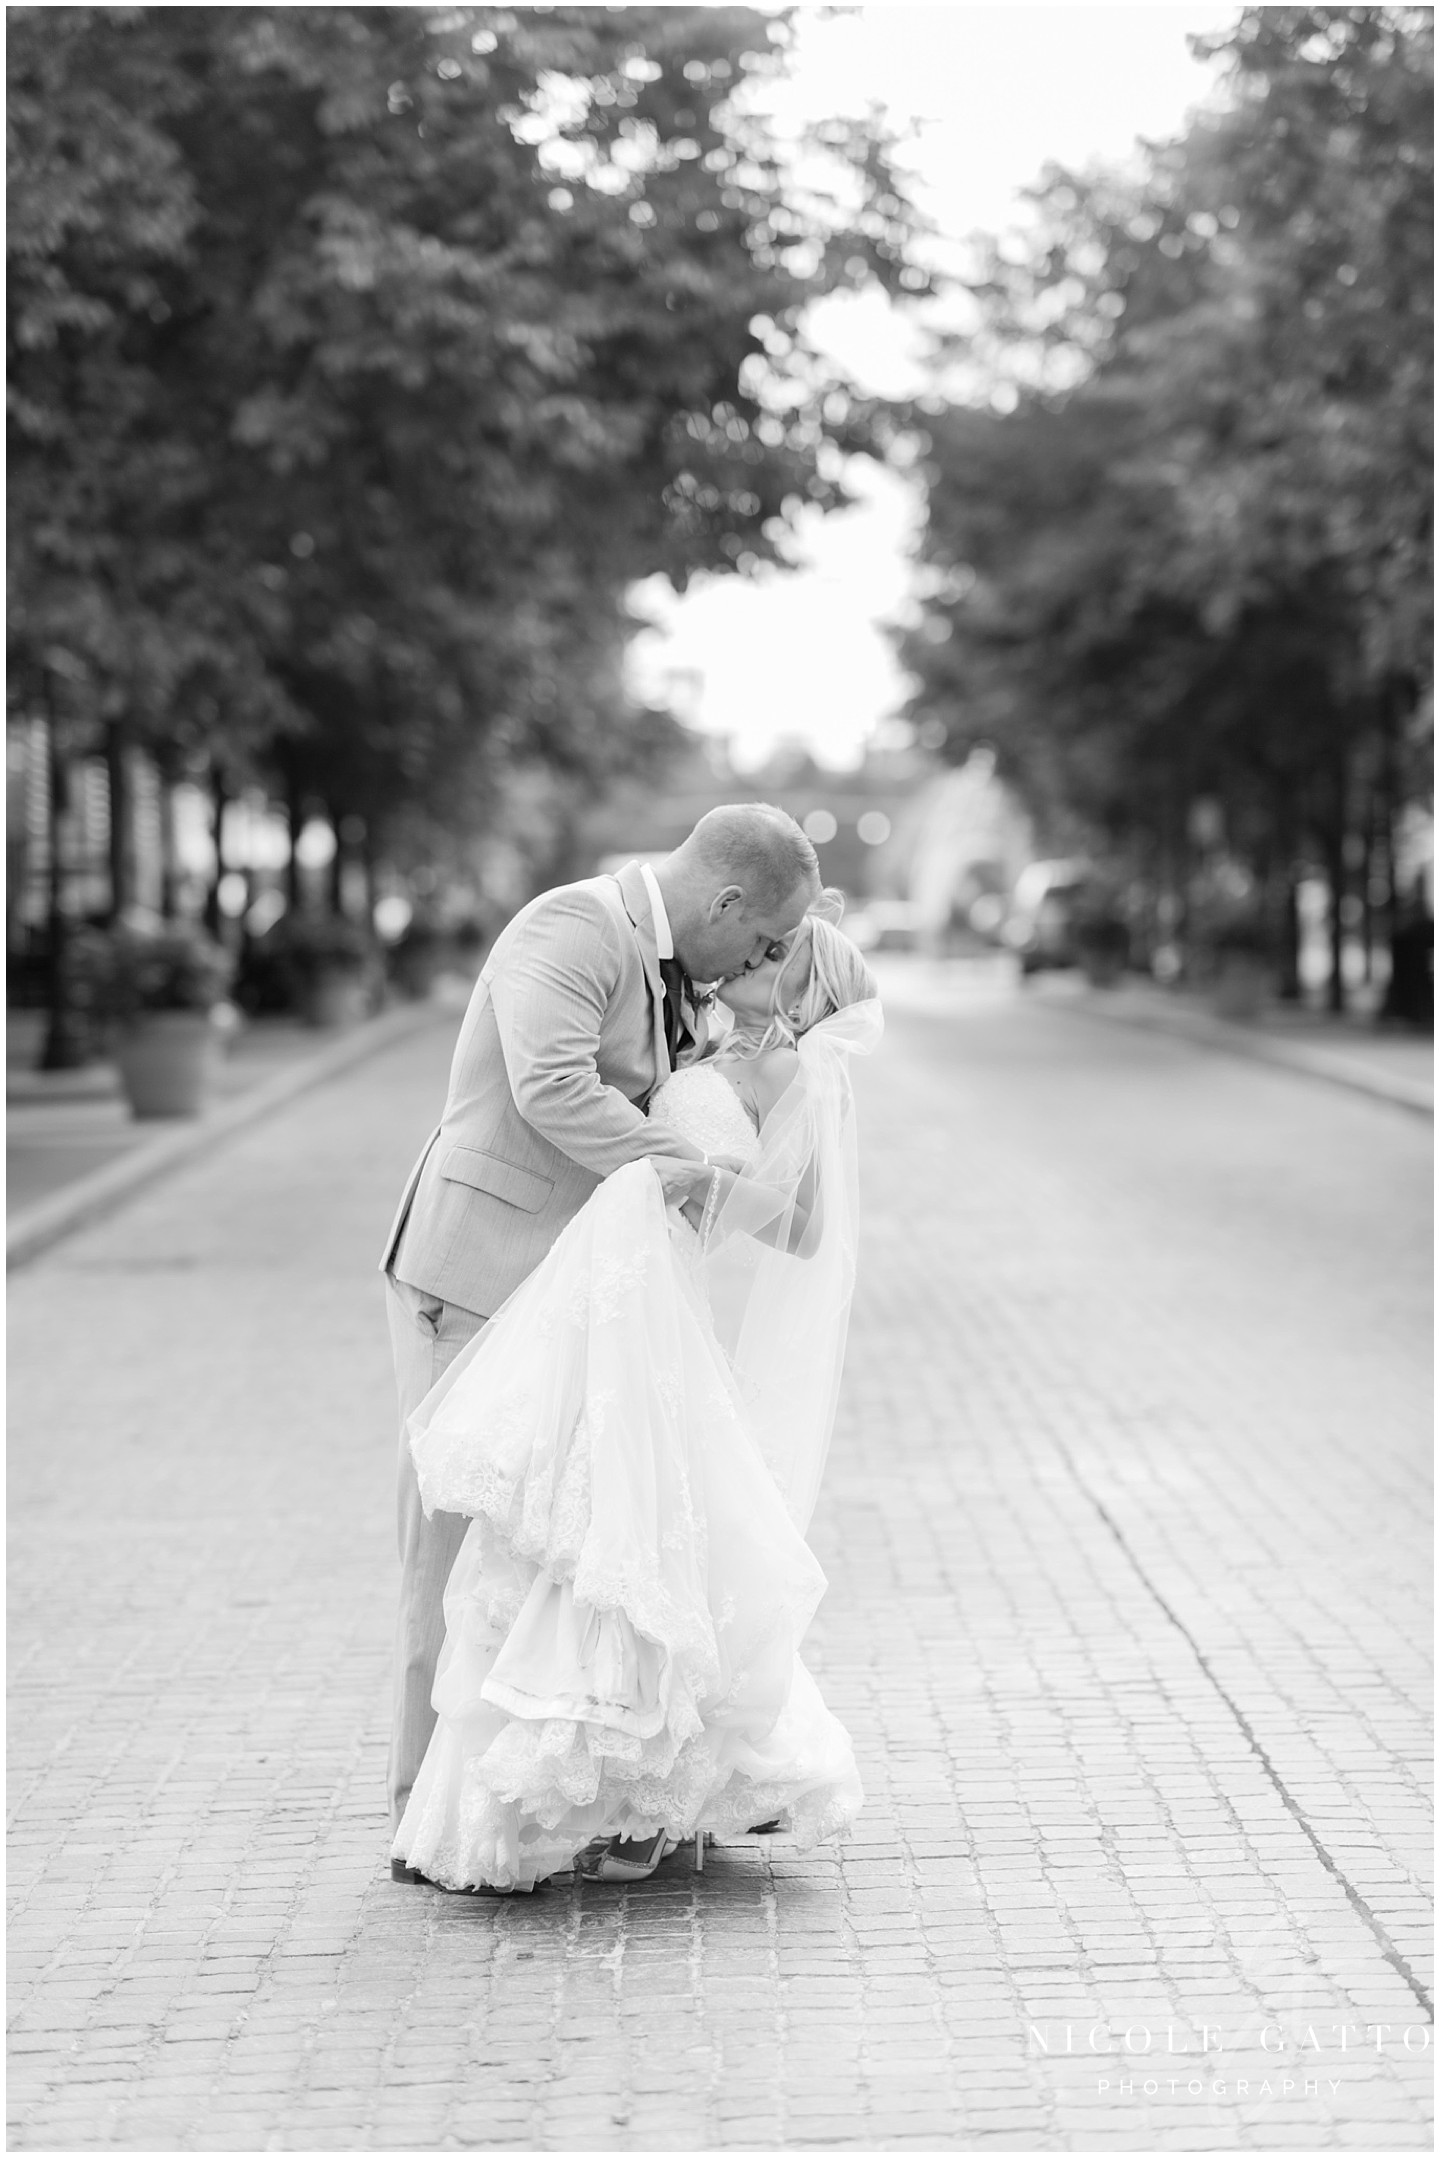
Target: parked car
x: 1044, y: 908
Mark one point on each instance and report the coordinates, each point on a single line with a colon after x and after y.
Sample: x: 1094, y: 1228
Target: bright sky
x: 995, y: 92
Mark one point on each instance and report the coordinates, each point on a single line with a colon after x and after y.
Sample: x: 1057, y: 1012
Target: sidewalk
x: 73, y: 1149
x: 1125, y: 1528
x: 1393, y: 1064
x: 1389, y: 1063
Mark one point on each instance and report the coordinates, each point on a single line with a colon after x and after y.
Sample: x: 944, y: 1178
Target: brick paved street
x: 1126, y: 1527
x: 61, y: 1125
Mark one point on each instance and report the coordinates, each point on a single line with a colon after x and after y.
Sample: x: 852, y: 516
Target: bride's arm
x: 795, y: 1225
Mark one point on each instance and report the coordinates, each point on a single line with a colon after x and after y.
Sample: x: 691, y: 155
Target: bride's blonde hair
x: 838, y: 977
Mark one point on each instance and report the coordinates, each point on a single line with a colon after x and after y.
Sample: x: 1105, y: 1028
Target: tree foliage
x: 361, y: 357
x: 1184, y: 551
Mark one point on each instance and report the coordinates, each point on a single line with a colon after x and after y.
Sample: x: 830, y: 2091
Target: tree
x: 361, y: 357
x: 1188, y: 560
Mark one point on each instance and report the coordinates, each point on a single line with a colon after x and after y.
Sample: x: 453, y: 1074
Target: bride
x: 639, y: 1435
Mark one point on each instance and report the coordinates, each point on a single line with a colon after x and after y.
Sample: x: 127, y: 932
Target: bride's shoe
x: 412, y: 1877
x: 622, y: 1859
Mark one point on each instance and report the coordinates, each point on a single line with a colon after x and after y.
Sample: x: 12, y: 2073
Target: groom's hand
x: 682, y: 1179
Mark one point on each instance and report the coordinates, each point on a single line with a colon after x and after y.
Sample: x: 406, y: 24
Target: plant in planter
x: 1242, y: 963
x: 416, y: 957
x: 78, y: 983
x: 1102, y: 938
x: 329, y: 961
x: 160, y: 988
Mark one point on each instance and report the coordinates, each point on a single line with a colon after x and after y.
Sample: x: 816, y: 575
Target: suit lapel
x: 637, y: 906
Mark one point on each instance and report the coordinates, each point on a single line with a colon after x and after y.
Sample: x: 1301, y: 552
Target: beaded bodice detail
x: 703, y: 1107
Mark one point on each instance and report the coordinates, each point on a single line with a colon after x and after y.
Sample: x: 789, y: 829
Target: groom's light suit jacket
x: 562, y: 1045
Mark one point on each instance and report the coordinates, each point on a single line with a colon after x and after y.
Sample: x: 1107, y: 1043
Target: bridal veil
x: 779, y: 1260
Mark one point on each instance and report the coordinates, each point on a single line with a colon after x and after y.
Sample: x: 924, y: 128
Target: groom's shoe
x: 412, y: 1877
x: 399, y: 1871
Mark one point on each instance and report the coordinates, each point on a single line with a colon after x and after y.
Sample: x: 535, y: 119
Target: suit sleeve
x: 549, y: 997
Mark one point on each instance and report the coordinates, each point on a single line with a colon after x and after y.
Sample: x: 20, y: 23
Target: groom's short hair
x: 758, y: 847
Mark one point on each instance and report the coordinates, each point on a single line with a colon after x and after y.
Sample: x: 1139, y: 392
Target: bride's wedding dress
x: 625, y: 1616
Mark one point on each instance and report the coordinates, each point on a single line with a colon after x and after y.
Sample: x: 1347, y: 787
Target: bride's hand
x: 690, y: 1178
x: 718, y: 1184
x: 679, y: 1176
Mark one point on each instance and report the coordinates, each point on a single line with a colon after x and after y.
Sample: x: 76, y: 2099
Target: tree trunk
x: 1336, y: 838
x: 1287, y: 824
x: 295, y: 818
x: 1367, y: 872
x: 1169, y: 877
x: 1335, y: 876
x: 219, y: 798
x: 122, y: 839
x: 369, y: 863
x: 1387, y: 813
x: 1183, y: 869
x: 1289, y: 976
x: 337, y: 862
x: 67, y: 1037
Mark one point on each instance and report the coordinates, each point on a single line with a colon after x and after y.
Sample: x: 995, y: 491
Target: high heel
x: 703, y: 1836
x: 609, y: 1864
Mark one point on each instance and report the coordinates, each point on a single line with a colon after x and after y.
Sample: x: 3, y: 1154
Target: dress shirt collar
x: 664, y: 942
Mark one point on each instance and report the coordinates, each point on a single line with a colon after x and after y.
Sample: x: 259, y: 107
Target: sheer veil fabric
x: 639, y: 1435
x: 780, y: 1259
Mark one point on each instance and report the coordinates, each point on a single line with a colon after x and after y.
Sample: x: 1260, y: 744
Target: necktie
x: 677, y: 986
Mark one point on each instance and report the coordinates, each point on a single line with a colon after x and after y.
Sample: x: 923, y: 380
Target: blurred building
x: 963, y: 839
x: 64, y: 844
x: 852, y: 818
x: 95, y: 837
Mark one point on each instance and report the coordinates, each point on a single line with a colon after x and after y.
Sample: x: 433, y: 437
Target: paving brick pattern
x: 59, y: 1126
x: 1125, y: 1524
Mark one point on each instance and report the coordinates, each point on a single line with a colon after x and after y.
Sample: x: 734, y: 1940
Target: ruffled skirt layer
x: 623, y: 1622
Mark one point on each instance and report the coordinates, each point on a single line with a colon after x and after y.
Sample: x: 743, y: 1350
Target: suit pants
x: 425, y: 1336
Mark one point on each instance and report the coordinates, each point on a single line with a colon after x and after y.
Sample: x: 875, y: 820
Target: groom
x: 584, y: 1005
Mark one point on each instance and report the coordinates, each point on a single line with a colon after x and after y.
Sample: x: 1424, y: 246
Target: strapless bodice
x: 703, y: 1107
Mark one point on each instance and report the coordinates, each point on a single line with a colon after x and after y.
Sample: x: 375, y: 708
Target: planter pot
x: 1102, y: 969
x: 1241, y: 987
x: 166, y: 1062
x: 337, y: 997
x: 414, y: 972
